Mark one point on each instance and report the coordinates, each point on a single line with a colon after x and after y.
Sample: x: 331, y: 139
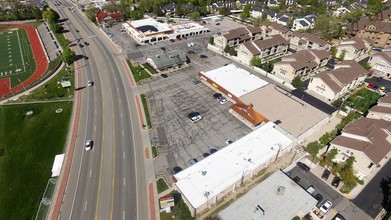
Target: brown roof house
x: 354, y: 48
x: 367, y: 140
x: 331, y: 85
x: 381, y: 63
x: 104, y: 17
x: 269, y: 47
x: 307, y: 41
x: 378, y: 31
x: 237, y: 36
x: 301, y: 63
x: 382, y: 110
x: 273, y: 28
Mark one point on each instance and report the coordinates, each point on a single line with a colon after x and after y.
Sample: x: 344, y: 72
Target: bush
x: 313, y: 148
x: 298, y: 83
x: 296, y: 218
x: 361, y: 182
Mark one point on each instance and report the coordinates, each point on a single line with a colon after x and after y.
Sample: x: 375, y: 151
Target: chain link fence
x: 46, y: 200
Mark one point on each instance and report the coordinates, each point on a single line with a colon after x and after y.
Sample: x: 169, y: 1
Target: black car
x: 206, y: 155
x: 81, y: 45
x: 318, y: 197
x: 86, y: 43
x: 137, y: 45
x: 193, y: 114
x: 203, y: 56
x: 163, y: 48
x: 336, y: 182
x: 217, y: 96
x: 212, y: 151
x: 296, y: 179
x: 172, y: 40
x: 190, y: 52
x: 326, y: 174
x: 77, y: 31
x: 303, y: 166
x: 338, y: 217
x: 177, y: 169
x: 164, y: 75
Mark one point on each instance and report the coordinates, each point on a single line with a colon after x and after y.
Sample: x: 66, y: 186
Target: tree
x: 68, y: 56
x: 341, y: 56
x: 37, y: 13
x: 224, y: 11
x: 255, y: 61
x: 56, y: 28
x: 353, y: 16
x: 330, y: 156
x: 227, y: 48
x: 282, y: 5
x: 257, y: 21
x: 110, y: 7
x: 211, y: 40
x: 298, y: 83
x: 374, y: 6
x: 246, y: 12
x: 313, y: 148
x: 195, y: 15
x: 48, y: 15
x: 91, y: 12
x: 366, y: 65
x: 333, y: 52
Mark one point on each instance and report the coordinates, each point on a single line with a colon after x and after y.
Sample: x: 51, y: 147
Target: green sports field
x: 16, y: 57
x: 28, y: 145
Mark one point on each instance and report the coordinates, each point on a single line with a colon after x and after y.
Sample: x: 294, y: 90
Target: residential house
x: 381, y: 63
x: 270, y: 47
x: 354, y: 48
x: 238, y: 36
x: 378, y: 31
x: 304, y: 41
x: 301, y: 63
x: 340, y: 11
x: 273, y: 3
x: 359, y: 4
x: 273, y: 28
x: 382, y: 110
x: 330, y: 3
x: 304, y: 23
x: 333, y: 84
x: 283, y: 20
x: 170, y: 9
x: 367, y: 140
x: 215, y: 7
x: 242, y: 3
x: 384, y: 16
x: 173, y: 60
x: 103, y: 17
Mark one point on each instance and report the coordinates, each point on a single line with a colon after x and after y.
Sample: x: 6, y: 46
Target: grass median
x: 29, y: 143
x: 146, y: 111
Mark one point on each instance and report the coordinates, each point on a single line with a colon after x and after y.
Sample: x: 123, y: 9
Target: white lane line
x: 90, y: 172
x: 123, y: 133
x: 96, y: 112
x: 95, y: 128
x: 123, y: 215
x: 119, y: 100
x: 123, y: 153
x: 122, y: 115
x: 85, y: 206
x: 124, y: 182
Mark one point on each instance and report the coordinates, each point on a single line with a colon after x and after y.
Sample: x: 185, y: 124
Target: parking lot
x: 378, y: 82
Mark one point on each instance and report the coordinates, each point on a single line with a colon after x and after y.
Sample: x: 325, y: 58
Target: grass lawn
x: 149, y: 68
x: 52, y: 89
x: 146, y: 111
x: 154, y: 151
x: 180, y: 210
x: 34, y: 23
x: 161, y: 185
x: 138, y: 72
x: 362, y: 100
x: 30, y: 144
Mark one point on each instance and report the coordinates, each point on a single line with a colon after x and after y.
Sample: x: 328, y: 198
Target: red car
x: 217, y: 23
x: 370, y: 85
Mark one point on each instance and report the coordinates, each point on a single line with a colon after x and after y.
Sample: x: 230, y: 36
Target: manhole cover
x: 59, y: 110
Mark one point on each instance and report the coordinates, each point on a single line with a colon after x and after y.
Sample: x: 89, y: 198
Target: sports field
x: 16, y: 57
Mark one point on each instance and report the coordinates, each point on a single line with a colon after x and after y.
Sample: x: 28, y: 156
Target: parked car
x: 89, y: 144
x: 217, y: 96
x: 172, y: 40
x: 163, y: 48
x: 206, y: 155
x: 192, y: 161
x: 77, y: 31
x: 318, y: 197
x: 164, y: 75
x: 212, y: 151
x: 379, y: 79
x: 375, y: 87
x: 190, y: 52
x: 303, y: 166
x: 177, y: 169
x: 381, y: 89
x: 296, y: 179
x: 203, y: 56
x: 228, y: 141
x: 336, y: 181
x: 81, y: 45
x: 370, y: 85
x: 311, y: 189
x: 326, y: 174
x: 223, y: 100
x: 338, y: 217
x: 86, y: 43
x: 196, y: 81
x: 326, y: 206
x: 217, y: 23
x: 194, y: 117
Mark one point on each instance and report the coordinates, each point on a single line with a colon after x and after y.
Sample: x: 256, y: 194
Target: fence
x: 46, y: 200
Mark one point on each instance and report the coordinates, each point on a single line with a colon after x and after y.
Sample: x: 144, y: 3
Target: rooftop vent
x: 280, y: 190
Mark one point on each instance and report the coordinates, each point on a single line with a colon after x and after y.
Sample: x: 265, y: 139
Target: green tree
x: 110, y: 7
x: 48, y: 15
x: 282, y: 5
x: 374, y: 6
x: 195, y: 16
x: 224, y: 11
x: 366, y: 65
x: 91, y: 12
x: 255, y: 61
x: 353, y: 16
x: 227, y: 48
x: 313, y: 148
x: 68, y: 56
x: 298, y: 83
x: 211, y: 40
x: 257, y: 21
x: 56, y: 28
x: 330, y: 156
x: 333, y: 52
x: 37, y: 13
x: 341, y: 56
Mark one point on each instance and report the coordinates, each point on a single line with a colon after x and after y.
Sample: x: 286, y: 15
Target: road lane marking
x: 85, y: 206
x: 123, y: 153
x: 123, y: 215
x: 123, y: 133
x: 124, y: 182
x: 122, y: 115
x: 90, y: 172
x: 95, y: 128
x: 96, y: 112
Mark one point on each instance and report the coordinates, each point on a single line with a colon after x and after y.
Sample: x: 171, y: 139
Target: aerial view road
x: 108, y: 181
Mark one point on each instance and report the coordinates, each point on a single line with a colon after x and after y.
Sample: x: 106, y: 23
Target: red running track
x: 39, y: 57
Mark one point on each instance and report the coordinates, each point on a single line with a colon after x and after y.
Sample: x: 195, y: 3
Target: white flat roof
x: 187, y: 27
x: 57, y: 165
x: 277, y: 197
x: 149, y: 21
x: 235, y: 80
x: 227, y: 166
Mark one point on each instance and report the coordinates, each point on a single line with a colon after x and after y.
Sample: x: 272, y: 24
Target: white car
x: 311, y: 189
x: 89, y: 144
x: 326, y: 206
x: 223, y: 101
x: 90, y: 83
x: 196, y: 118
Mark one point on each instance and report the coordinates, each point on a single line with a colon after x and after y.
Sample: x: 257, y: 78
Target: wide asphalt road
x: 107, y: 182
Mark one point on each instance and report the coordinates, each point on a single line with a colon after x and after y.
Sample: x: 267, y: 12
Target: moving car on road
x: 89, y: 144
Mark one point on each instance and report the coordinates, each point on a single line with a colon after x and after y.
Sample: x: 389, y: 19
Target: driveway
x: 378, y: 81
x: 371, y: 199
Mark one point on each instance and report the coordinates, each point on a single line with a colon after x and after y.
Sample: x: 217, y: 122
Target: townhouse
x: 301, y: 63
x: 304, y: 41
x: 381, y: 63
x: 273, y: 28
x: 367, y: 140
x: 215, y: 7
x: 270, y: 47
x: 304, y: 23
x: 238, y: 36
x: 382, y: 110
x: 353, y: 48
x: 332, y: 85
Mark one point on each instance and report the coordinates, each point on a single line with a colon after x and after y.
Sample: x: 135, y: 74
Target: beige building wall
x: 379, y: 115
x: 244, y: 55
x: 380, y: 65
x: 284, y: 71
x: 318, y: 86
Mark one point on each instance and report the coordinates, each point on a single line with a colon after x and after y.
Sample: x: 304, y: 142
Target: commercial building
x: 208, y: 181
x: 149, y: 30
x: 277, y: 197
x: 173, y: 60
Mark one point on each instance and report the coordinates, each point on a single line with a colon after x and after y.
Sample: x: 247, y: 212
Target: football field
x: 16, y: 57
